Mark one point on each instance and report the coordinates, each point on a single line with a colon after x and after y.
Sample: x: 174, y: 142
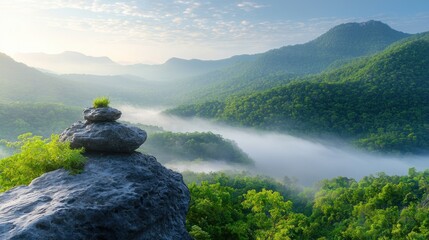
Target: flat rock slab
x: 104, y: 114
x: 119, y: 196
x: 109, y: 137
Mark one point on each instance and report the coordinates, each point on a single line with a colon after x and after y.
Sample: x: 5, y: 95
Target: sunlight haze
x: 154, y: 31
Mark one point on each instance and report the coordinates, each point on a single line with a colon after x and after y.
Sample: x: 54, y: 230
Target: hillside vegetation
x: 248, y: 207
x: 203, y: 146
x: 39, y: 118
x: 35, y: 156
x: 380, y: 102
x: 279, y: 66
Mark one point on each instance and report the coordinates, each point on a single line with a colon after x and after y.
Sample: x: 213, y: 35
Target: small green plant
x: 101, y: 102
x: 35, y: 156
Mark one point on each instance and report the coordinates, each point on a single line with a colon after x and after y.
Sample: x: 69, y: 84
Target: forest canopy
x: 250, y: 207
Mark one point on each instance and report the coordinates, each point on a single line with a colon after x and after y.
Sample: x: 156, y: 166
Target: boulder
x: 104, y: 114
x: 118, y: 196
x: 110, y: 137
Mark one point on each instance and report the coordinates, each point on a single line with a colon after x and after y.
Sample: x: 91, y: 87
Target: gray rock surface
x: 110, y: 137
x: 105, y: 114
x: 122, y: 196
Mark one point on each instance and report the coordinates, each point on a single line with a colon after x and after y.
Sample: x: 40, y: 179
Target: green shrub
x: 36, y: 156
x: 101, y: 102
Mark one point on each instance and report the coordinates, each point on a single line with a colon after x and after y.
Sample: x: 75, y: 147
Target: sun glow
x: 15, y: 28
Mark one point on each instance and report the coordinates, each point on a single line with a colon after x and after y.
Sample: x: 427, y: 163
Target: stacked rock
x: 101, y: 133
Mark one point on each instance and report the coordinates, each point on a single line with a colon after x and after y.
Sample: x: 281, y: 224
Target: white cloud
x: 177, y: 20
x: 249, y: 6
x: 217, y: 30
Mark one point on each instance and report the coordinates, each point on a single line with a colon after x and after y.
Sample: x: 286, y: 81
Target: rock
x: 105, y: 114
x: 110, y: 137
x: 122, y: 196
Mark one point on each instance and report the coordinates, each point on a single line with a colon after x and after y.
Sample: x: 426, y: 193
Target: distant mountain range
x: 342, y: 42
x: 187, y: 81
x: 78, y: 63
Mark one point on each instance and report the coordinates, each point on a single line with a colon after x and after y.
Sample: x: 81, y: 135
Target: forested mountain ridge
x: 278, y: 66
x: 345, y: 41
x: 381, y: 102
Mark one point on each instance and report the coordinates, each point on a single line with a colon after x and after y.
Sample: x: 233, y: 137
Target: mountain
x: 345, y: 41
x: 339, y: 44
x: 68, y: 62
x: 20, y: 83
x: 186, y: 81
x: 177, y: 68
x: 78, y: 63
x: 380, y: 102
x: 278, y: 66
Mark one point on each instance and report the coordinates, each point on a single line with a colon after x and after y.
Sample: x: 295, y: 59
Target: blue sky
x: 153, y: 31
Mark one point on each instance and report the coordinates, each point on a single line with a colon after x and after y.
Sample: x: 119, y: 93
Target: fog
x: 280, y: 155
x: 3, y: 152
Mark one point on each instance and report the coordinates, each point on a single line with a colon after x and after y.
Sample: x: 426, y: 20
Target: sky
x: 149, y: 31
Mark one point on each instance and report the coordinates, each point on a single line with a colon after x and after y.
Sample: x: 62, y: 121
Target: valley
x: 277, y: 155
x: 324, y: 139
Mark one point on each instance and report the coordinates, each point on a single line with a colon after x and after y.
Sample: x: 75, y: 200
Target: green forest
x: 194, y: 146
x: 379, y: 103
x: 277, y: 67
x: 241, y: 206
x: 39, y: 118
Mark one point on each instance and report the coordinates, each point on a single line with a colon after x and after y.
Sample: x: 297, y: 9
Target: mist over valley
x: 279, y: 155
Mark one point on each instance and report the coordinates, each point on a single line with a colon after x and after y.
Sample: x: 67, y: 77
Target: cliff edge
x: 117, y: 196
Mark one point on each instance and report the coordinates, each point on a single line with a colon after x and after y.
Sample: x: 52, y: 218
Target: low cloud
x: 280, y: 155
x: 3, y: 152
x: 200, y: 166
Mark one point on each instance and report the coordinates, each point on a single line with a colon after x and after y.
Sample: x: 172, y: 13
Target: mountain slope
x: 382, y: 102
x: 273, y: 68
x: 344, y: 41
x: 68, y: 62
x: 20, y: 83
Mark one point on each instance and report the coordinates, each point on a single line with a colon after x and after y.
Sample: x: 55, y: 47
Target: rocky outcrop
x: 104, y: 114
x: 111, y: 137
x: 101, y: 133
x: 120, y: 196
